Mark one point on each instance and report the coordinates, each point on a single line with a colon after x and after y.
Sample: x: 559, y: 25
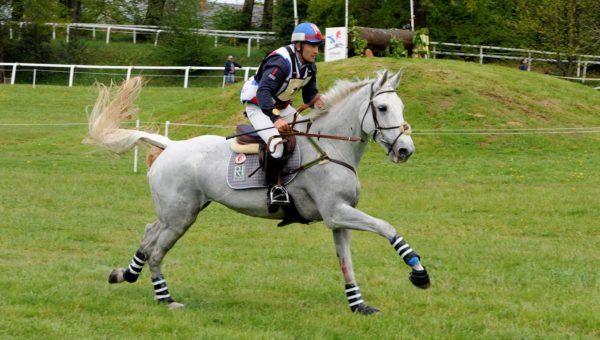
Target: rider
x: 268, y: 97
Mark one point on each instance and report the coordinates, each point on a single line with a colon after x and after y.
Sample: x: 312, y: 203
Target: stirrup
x: 278, y: 196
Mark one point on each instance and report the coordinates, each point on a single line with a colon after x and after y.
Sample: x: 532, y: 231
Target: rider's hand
x: 319, y: 103
x: 282, y: 125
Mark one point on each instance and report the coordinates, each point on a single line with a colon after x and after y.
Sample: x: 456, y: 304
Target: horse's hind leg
x: 132, y: 272
x: 175, y: 219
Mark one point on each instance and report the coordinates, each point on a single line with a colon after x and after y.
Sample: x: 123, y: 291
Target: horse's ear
x: 382, y: 77
x: 396, y: 79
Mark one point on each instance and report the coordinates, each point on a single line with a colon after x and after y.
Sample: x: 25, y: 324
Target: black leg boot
x: 276, y: 194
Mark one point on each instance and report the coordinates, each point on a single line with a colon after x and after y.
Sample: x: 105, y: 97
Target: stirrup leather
x: 278, y: 196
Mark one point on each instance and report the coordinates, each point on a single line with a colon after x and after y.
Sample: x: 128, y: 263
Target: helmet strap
x: 300, y: 51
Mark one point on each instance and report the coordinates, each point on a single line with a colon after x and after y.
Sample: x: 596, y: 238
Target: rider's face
x: 309, y: 52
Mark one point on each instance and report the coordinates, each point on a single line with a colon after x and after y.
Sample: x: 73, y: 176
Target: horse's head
x: 383, y: 118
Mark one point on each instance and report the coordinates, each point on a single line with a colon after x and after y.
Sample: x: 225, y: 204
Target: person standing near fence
x: 523, y: 64
x: 229, y: 71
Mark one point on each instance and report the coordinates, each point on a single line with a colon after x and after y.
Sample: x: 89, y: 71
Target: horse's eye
x: 382, y: 108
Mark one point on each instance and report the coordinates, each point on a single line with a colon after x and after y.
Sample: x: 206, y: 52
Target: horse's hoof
x: 365, y: 309
x: 175, y: 305
x: 420, y: 278
x: 116, y: 276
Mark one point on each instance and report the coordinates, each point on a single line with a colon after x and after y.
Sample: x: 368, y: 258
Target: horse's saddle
x: 245, y: 170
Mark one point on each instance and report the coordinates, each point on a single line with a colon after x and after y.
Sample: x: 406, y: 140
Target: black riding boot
x: 276, y: 195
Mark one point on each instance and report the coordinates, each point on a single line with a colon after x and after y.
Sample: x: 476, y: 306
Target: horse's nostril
x: 403, y: 153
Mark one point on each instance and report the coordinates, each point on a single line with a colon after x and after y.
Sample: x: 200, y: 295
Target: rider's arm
x: 273, y: 76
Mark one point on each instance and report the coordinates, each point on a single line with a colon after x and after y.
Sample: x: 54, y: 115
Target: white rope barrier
x: 459, y: 131
x: 425, y: 132
x: 507, y: 133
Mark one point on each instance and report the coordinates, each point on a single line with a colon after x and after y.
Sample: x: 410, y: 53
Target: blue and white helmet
x: 308, y: 33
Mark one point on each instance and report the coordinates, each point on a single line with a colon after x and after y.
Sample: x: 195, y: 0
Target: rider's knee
x: 277, y: 150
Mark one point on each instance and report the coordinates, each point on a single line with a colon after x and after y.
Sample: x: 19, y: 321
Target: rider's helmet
x: 307, y: 32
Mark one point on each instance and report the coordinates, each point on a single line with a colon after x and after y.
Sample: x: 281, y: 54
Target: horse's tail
x: 114, y: 104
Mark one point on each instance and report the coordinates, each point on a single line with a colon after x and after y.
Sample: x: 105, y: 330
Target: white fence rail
x: 134, y: 30
x: 493, y: 52
x: 128, y: 70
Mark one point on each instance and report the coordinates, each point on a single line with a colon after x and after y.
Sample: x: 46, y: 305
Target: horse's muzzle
x: 404, y: 150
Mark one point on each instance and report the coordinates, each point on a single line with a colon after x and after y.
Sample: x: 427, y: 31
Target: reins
x: 322, y: 155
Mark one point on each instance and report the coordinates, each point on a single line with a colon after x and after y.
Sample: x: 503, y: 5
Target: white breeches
x: 260, y: 120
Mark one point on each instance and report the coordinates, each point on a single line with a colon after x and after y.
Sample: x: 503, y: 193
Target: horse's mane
x: 340, y: 90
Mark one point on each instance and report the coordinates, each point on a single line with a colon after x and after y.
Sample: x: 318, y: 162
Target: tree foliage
x: 283, y: 17
x: 571, y: 27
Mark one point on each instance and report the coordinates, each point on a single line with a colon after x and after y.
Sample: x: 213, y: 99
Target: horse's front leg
x: 345, y: 216
x: 342, y: 238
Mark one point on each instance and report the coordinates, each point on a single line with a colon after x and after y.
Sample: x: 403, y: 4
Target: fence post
x: 434, y: 52
x: 134, y: 37
x: 246, y: 71
x: 71, y: 75
x: 13, y: 76
x: 10, y: 32
x: 53, y: 31
x: 34, y: 76
x: 249, y: 46
x: 186, y: 78
x: 481, y: 55
x: 578, y: 67
x: 156, y: 39
x: 584, y: 72
x: 129, y: 72
x: 216, y: 41
x: 529, y: 61
x: 94, y: 33
x: 68, y: 32
x: 167, y: 123
x: 108, y: 34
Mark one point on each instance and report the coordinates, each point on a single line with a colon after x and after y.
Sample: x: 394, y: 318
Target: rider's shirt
x: 280, y: 78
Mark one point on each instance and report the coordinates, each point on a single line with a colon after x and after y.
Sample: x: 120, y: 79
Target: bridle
x: 404, y: 126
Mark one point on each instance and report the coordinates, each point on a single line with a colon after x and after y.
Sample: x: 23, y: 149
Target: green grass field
x: 506, y: 224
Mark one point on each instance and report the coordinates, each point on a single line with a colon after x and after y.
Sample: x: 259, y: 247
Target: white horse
x: 189, y: 174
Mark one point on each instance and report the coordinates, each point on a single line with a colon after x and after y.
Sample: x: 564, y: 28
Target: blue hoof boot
x: 420, y: 278
x: 365, y: 309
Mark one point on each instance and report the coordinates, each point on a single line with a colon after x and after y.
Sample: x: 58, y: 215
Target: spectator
x: 523, y: 64
x: 229, y: 71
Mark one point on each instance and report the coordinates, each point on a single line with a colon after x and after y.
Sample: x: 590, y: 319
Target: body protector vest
x: 294, y: 82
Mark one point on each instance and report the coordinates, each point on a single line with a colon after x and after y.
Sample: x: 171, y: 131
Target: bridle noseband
x: 404, y: 126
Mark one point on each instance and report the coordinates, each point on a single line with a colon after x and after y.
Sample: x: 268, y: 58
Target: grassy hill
x: 506, y: 224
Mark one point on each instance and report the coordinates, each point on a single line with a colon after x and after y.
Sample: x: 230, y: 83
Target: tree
x: 33, y: 45
x: 154, y: 12
x: 267, y: 17
x: 247, y: 13
x: 16, y: 8
x: 113, y: 11
x: 564, y: 26
x: 74, y: 9
x: 283, y: 17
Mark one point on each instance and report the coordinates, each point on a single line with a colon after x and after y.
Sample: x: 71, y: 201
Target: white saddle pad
x: 242, y: 165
